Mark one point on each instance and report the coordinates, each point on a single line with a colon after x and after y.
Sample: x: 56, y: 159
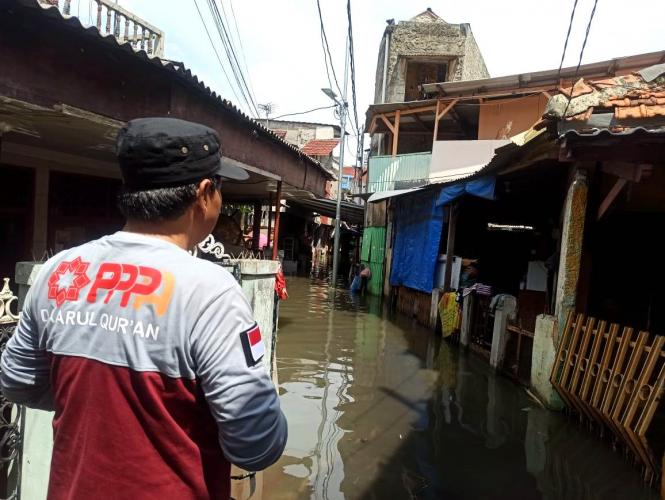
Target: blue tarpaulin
x: 418, y: 226
x: 483, y: 188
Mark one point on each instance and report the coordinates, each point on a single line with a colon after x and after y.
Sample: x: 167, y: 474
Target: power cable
x: 326, y: 49
x: 565, y: 44
x: 219, y: 59
x: 579, y: 62
x: 242, y: 49
x: 303, y: 112
x: 353, y: 69
x: 232, y: 57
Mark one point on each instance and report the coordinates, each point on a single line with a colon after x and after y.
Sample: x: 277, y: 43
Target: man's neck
x: 171, y: 231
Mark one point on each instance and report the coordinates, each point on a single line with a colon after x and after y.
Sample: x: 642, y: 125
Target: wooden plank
x: 604, y: 369
x: 581, y: 365
x: 450, y: 245
x: 436, y: 124
x: 446, y: 109
x: 373, y: 125
x: 278, y: 206
x: 615, y: 378
x: 593, y: 368
x: 626, y: 388
x: 388, y: 124
x: 562, y: 358
x: 638, y: 399
x: 396, y: 133
x: 649, y: 411
x: 611, y: 196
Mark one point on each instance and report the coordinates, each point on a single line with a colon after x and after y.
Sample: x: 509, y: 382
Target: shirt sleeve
x: 241, y: 396
x: 25, y: 369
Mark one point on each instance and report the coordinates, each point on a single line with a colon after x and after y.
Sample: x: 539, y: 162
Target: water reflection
x: 379, y: 408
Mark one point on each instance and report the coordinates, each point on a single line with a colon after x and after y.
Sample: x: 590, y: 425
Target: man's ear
x: 204, y: 191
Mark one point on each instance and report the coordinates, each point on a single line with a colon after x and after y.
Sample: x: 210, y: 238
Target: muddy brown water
x: 378, y: 407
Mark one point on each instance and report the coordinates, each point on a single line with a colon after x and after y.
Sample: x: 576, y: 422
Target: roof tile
x: 320, y: 147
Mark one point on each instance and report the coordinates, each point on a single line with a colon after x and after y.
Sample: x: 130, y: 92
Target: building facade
x: 424, y: 49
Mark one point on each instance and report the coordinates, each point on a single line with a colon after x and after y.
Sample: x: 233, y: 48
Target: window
x: 418, y: 73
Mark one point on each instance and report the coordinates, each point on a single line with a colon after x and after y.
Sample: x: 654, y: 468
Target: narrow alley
x: 378, y: 407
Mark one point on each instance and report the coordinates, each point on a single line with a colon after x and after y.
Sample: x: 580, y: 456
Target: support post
x: 256, y: 226
x: 343, y: 110
x: 572, y: 238
x: 505, y: 311
x: 450, y: 246
x: 278, y: 205
x: 40, y: 214
x: 396, y: 133
x: 269, y: 219
x: 467, y: 319
x: 436, y: 123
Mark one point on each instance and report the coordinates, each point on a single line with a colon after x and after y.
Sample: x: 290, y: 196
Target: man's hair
x: 159, y: 204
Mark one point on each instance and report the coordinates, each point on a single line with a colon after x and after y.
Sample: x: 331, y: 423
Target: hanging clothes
x: 450, y: 314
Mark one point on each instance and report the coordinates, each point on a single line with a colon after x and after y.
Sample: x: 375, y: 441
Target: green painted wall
x: 372, y: 254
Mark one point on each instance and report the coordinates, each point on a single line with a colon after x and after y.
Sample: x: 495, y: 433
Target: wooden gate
x: 615, y: 380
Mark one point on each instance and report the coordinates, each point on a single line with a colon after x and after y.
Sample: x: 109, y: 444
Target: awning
x: 350, y: 212
x: 455, y: 160
x: 382, y: 195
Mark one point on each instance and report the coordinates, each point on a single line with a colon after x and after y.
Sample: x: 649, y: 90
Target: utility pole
x: 267, y: 108
x: 343, y: 108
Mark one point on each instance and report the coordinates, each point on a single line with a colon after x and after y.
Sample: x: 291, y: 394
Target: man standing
x: 150, y: 357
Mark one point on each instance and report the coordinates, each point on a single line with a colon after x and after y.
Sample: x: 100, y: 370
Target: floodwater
x: 380, y: 408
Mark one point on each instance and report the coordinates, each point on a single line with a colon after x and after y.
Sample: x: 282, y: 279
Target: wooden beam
x: 436, y: 124
x: 256, y: 229
x: 278, y: 206
x: 388, y: 124
x: 450, y: 246
x: 611, y: 196
x: 372, y: 127
x: 446, y: 109
x: 396, y: 133
x: 422, y: 123
x: 269, y: 218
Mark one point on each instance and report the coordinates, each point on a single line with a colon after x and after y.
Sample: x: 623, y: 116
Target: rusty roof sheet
x: 320, y: 147
x: 176, y: 68
x: 628, y: 97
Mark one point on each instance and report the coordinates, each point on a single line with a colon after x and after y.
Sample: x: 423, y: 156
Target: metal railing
x: 398, y: 172
x: 11, y: 415
x: 112, y: 19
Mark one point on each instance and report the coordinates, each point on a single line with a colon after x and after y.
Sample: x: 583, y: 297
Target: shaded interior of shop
x: 623, y: 270
x: 16, y: 209
x: 513, y: 244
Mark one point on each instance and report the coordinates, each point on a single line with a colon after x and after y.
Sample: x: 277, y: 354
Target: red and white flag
x: 253, y: 345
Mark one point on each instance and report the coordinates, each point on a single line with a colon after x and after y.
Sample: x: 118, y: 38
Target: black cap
x: 163, y: 152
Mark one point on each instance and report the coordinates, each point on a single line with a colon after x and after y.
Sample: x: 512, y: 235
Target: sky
x: 284, y: 58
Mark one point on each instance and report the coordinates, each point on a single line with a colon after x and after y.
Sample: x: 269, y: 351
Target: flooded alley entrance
x: 378, y: 407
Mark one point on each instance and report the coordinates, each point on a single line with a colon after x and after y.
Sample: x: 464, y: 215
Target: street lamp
x: 330, y: 94
x: 343, y: 105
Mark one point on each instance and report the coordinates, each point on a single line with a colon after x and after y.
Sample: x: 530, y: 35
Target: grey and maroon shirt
x: 149, y: 358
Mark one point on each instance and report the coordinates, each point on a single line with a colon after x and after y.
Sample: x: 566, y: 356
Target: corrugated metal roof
x: 539, y: 78
x: 605, y: 133
x: 176, y: 68
x: 350, y: 212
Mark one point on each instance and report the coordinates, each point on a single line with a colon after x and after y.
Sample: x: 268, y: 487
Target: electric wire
x: 579, y: 62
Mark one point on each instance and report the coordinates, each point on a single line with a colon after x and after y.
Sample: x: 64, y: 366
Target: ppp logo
x: 130, y: 280
x: 140, y: 282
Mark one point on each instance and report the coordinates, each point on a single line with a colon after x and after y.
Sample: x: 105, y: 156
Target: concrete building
x: 424, y: 49
x: 300, y: 133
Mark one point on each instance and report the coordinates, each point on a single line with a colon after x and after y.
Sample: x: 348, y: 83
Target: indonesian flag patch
x: 252, y: 344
